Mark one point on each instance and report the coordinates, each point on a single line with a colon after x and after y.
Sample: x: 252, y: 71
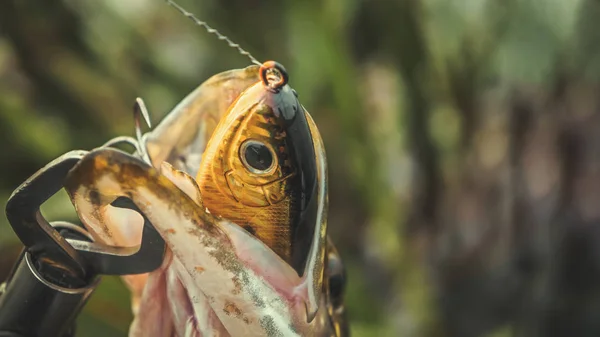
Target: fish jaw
x: 243, y: 297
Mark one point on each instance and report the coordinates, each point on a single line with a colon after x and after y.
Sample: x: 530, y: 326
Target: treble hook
x: 139, y: 111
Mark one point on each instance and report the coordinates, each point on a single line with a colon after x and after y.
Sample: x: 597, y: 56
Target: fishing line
x: 211, y: 30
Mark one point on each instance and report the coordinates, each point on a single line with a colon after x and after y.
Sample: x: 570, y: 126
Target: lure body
x: 259, y: 171
x: 241, y: 205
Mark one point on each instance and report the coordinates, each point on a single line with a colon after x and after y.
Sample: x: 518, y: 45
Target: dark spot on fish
x: 195, y: 232
x: 249, y: 229
x: 201, y: 231
x: 94, y: 197
x: 237, y: 285
x: 232, y: 310
x: 268, y: 324
x: 226, y: 257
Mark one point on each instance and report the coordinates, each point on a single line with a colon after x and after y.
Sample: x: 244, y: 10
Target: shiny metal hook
x: 139, y: 109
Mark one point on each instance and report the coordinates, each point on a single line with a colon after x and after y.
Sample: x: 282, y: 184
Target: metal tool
x: 60, y: 265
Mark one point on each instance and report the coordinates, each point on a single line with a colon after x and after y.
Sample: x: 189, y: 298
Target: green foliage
x: 397, y: 89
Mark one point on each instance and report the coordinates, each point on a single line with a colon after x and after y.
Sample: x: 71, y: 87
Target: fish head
x: 259, y: 169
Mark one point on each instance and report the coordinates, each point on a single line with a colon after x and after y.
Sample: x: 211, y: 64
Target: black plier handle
x: 60, y: 265
x: 80, y: 257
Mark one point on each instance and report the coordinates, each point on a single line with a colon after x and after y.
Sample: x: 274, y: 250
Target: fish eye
x: 257, y: 156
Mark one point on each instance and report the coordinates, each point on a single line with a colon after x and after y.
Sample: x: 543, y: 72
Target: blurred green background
x: 463, y: 139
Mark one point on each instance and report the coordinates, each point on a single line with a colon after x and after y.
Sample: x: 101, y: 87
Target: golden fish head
x: 259, y: 169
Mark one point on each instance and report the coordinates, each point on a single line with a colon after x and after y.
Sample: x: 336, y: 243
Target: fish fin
x: 135, y: 284
x: 183, y: 181
x: 153, y: 309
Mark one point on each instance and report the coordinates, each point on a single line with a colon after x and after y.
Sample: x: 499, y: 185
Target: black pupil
x: 258, y: 156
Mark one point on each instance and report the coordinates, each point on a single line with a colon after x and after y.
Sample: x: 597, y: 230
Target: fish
x: 180, y: 140
x: 236, y: 185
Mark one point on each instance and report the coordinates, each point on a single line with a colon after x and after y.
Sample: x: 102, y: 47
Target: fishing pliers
x: 61, y: 265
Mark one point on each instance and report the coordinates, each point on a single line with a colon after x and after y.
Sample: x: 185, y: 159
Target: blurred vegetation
x: 463, y: 140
